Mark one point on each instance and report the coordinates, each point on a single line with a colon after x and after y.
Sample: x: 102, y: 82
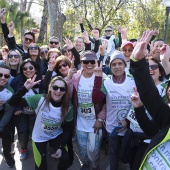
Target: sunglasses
x: 62, y: 89
x: 52, y: 42
x: 28, y: 39
x: 62, y: 65
x: 108, y: 30
x: 7, y: 76
x: 153, y: 67
x: 46, y: 51
x: 33, y: 48
x: 26, y: 68
x: 127, y: 50
x: 88, y: 61
x: 13, y: 55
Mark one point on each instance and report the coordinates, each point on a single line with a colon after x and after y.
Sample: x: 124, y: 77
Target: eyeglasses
x: 52, y: 42
x: 33, y: 48
x: 62, y: 65
x: 13, y: 55
x: 26, y: 68
x: 3, y: 51
x: 6, y: 76
x: 153, y: 67
x: 129, y: 50
x: 88, y: 61
x: 46, y: 51
x: 62, y: 89
x: 108, y: 30
x: 28, y: 39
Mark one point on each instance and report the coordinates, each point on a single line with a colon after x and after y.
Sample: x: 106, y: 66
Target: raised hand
x: 95, y: 34
x: 68, y: 43
x: 2, y: 12
x: 136, y: 102
x: 86, y: 36
x: 34, y: 30
x: 31, y: 82
x: 98, y: 70
x: 72, y: 70
x: 102, y: 48
x: 11, y: 27
x: 51, y: 64
x: 141, y: 46
x: 58, y: 154
x: 165, y: 58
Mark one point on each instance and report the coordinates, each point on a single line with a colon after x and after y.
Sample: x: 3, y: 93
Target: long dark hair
x: 58, y: 61
x: 161, y: 69
x: 34, y: 65
x: 65, y: 98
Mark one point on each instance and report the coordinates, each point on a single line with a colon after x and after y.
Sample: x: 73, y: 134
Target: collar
x: 121, y: 80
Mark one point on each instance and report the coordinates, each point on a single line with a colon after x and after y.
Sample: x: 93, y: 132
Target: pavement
x: 28, y: 164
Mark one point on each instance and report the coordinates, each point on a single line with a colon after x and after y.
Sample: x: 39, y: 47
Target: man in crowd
x: 5, y: 114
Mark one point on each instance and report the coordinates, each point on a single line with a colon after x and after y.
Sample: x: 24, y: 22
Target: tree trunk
x: 57, y: 18
x: 43, y: 27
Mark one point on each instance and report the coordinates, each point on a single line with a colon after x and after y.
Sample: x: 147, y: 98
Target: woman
x: 14, y: 61
x: 142, y: 138
x: 34, y: 54
x: 61, y: 66
x: 25, y: 122
x: 155, y: 156
x: 53, y: 122
x: 86, y: 111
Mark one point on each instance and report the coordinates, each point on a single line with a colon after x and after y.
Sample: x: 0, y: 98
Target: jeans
x: 89, y: 146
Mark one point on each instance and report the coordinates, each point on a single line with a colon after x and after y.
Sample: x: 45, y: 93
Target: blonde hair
x: 20, y: 60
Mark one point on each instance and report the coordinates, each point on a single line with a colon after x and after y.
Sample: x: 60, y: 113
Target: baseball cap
x: 109, y: 27
x: 88, y: 55
x: 126, y: 43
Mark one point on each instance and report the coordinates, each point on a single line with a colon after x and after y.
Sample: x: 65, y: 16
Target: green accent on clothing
x: 69, y: 117
x: 143, y: 164
x: 10, y: 89
x: 37, y: 155
x: 33, y: 101
x: 103, y: 89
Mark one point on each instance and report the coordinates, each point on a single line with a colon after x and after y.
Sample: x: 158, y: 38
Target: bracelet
x: 100, y: 120
x: 133, y: 59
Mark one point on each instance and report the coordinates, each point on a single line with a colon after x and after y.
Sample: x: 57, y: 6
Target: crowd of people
x: 96, y: 88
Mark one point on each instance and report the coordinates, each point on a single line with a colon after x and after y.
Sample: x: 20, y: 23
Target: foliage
x: 18, y: 17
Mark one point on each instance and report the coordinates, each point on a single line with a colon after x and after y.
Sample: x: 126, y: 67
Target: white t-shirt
x: 86, y: 114
x: 118, y: 101
x: 48, y: 122
x: 5, y: 95
x: 159, y: 158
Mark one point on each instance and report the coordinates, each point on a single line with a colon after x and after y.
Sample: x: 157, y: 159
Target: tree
x: 43, y: 26
x: 56, y: 17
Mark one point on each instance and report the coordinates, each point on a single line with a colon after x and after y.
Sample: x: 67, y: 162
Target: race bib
x: 86, y: 111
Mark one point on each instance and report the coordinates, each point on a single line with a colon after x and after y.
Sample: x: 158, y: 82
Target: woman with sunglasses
x: 155, y: 156
x: 53, y: 121
x: 158, y: 74
x: 24, y: 118
x: 34, y: 54
x: 14, y: 61
x: 63, y: 67
x: 86, y: 111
